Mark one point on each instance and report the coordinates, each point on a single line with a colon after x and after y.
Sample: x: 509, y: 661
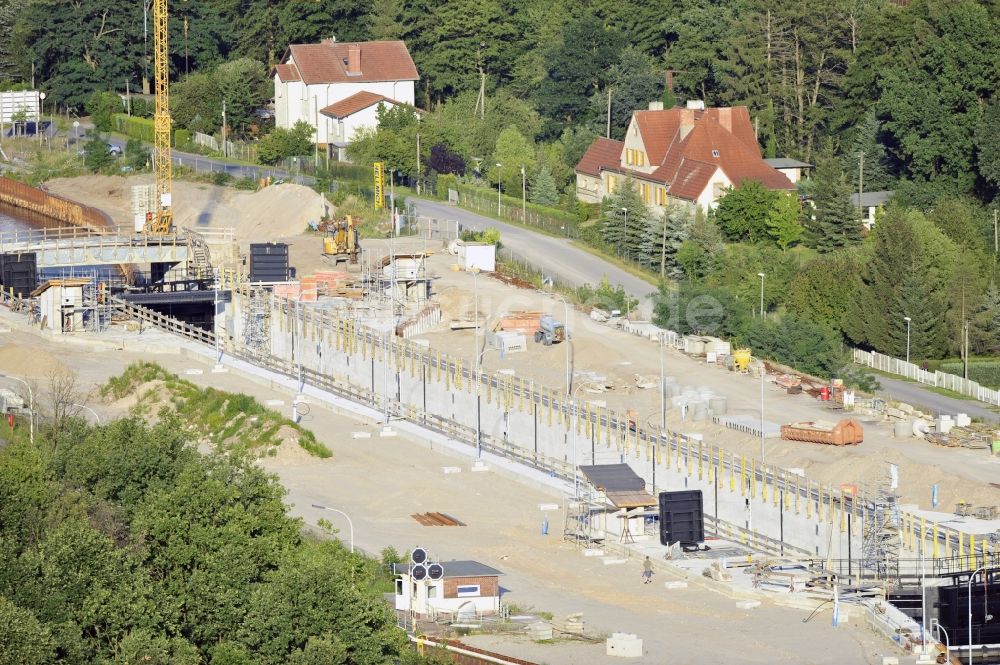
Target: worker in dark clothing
x: 647, y: 570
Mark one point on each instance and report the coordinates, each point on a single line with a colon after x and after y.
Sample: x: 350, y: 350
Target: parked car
x: 114, y: 150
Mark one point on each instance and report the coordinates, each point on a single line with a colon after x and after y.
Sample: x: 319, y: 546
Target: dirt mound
x: 274, y: 212
x: 18, y: 360
x: 289, y: 452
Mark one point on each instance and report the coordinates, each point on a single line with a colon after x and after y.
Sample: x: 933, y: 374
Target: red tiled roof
x: 356, y: 102
x: 719, y: 138
x: 326, y: 62
x: 287, y: 72
x: 602, y: 154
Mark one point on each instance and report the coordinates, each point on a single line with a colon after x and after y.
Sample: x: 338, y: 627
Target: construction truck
x: 341, y: 240
x: 549, y: 330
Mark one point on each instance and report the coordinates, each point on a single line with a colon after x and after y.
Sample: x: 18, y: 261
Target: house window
x: 718, y: 189
x: 628, y: 156
x: 612, y: 184
x: 432, y: 591
x: 645, y: 193
x: 467, y: 590
x: 399, y: 587
x: 640, y: 157
x: 715, y: 153
x: 660, y: 197
x: 635, y: 129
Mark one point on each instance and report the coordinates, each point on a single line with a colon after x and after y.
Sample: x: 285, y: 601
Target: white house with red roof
x: 684, y: 156
x: 337, y: 86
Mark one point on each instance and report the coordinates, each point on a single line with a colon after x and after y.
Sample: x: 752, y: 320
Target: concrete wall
x: 532, y: 424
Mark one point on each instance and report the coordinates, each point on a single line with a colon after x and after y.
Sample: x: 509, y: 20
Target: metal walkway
x: 77, y: 246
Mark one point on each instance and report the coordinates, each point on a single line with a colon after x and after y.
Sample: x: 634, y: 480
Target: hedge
x: 984, y: 372
x: 144, y: 129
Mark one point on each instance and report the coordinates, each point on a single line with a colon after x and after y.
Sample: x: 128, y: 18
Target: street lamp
x: 625, y: 242
x: 971, y: 577
x: 761, y: 275
x: 346, y: 516
x: 576, y: 463
x: 83, y: 406
x: 524, y: 197
x: 907, y: 319
x: 569, y: 364
x: 31, y: 406
x: 479, y: 357
x: 498, y: 188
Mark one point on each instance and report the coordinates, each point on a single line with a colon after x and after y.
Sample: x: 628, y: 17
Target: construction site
x: 738, y: 479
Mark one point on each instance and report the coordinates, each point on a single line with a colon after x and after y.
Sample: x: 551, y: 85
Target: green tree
x: 513, y: 151
x: 823, y: 289
x: 783, y: 225
x: 101, y: 106
x: 96, y: 156
x: 799, y: 343
x: 635, y: 80
x: 984, y: 328
x: 987, y: 140
x: 677, y: 221
x: 836, y: 223
x: 543, y: 188
x: 743, y: 213
x: 926, y: 309
x: 578, y: 66
x: 701, y: 310
x: 624, y: 220
x: 23, y: 639
x: 136, y: 156
x: 283, y: 143
x: 196, y: 103
x: 867, y: 141
x: 245, y: 86
x: 385, y: 19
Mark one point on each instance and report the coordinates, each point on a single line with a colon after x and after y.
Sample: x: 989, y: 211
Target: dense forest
x: 907, y: 88
x: 123, y: 544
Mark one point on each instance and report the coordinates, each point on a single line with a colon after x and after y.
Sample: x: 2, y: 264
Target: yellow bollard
x: 788, y: 499
x: 972, y: 550
x: 732, y: 474
x: 934, y: 543
x: 701, y: 454
x: 743, y: 475
x: 961, y: 545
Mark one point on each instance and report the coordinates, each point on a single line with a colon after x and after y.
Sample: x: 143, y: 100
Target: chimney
x: 687, y: 122
x: 726, y: 119
x: 656, y: 106
x: 354, y: 60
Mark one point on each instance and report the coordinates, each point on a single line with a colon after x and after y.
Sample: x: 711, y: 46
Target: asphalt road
x: 926, y: 400
x: 558, y: 256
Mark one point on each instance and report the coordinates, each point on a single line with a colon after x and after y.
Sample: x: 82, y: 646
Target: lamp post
x: 625, y: 241
x: 569, y: 364
x: 938, y: 629
x: 524, y: 197
x: 350, y: 524
x: 761, y: 275
x: 972, y: 577
x: 83, y: 406
x: 907, y: 319
x: 31, y: 406
x: 478, y: 373
x: 498, y: 188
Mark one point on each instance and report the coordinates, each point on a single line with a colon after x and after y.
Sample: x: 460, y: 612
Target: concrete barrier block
x: 612, y: 561
x: 220, y: 369
x: 593, y: 552
x: 890, y: 660
x: 748, y: 604
x: 193, y: 372
x: 478, y: 466
x: 548, y: 506
x: 451, y: 469
x: 624, y: 645
x: 676, y: 584
x: 387, y: 431
x: 271, y: 402
x: 361, y: 435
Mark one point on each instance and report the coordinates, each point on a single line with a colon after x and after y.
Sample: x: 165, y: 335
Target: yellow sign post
x: 379, y: 168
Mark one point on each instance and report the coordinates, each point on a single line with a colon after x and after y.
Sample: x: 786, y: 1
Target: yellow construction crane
x: 162, y: 223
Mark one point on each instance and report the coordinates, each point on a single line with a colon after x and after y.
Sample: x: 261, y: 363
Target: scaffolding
x: 582, y: 524
x: 256, y: 320
x: 882, y: 530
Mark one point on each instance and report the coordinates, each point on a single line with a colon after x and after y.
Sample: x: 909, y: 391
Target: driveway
x: 919, y: 396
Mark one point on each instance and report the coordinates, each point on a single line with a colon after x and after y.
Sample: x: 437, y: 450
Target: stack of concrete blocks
x: 624, y: 645
x: 962, y: 420
x: 718, y: 573
x: 573, y: 623
x: 540, y: 631
x: 944, y: 424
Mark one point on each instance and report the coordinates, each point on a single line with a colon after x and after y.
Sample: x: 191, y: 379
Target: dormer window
x: 715, y: 153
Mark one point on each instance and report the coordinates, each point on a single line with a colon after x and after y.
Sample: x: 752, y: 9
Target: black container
x: 269, y: 262
x: 20, y: 272
x: 682, y: 519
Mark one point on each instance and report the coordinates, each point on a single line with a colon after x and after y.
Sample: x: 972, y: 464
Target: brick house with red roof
x: 684, y: 156
x: 337, y: 86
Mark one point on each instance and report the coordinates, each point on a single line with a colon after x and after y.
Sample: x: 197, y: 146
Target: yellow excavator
x: 341, y: 240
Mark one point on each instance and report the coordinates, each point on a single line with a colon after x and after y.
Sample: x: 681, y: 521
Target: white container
x: 902, y: 429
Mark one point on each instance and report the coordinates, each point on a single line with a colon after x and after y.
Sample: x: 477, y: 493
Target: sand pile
x: 21, y: 361
x: 275, y: 212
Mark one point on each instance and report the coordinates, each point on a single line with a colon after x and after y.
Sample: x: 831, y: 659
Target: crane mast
x: 162, y: 223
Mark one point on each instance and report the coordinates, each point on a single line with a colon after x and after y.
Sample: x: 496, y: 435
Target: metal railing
x: 938, y: 379
x: 163, y: 322
x: 71, y: 237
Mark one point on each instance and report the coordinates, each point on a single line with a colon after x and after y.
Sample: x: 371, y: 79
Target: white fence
x: 938, y: 379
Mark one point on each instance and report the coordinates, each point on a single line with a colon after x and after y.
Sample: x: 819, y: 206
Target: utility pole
x: 996, y: 244
x: 128, y: 98
x: 861, y: 185
x: 418, y: 163
x: 224, y: 127
x: 608, y: 135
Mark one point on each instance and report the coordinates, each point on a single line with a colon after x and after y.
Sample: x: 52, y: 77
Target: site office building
x: 336, y: 87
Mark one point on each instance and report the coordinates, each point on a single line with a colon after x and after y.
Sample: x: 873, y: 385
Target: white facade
x: 428, y: 597
x: 295, y: 100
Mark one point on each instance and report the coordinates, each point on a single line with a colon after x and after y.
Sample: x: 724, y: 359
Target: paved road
x: 558, y: 255
x: 919, y: 396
